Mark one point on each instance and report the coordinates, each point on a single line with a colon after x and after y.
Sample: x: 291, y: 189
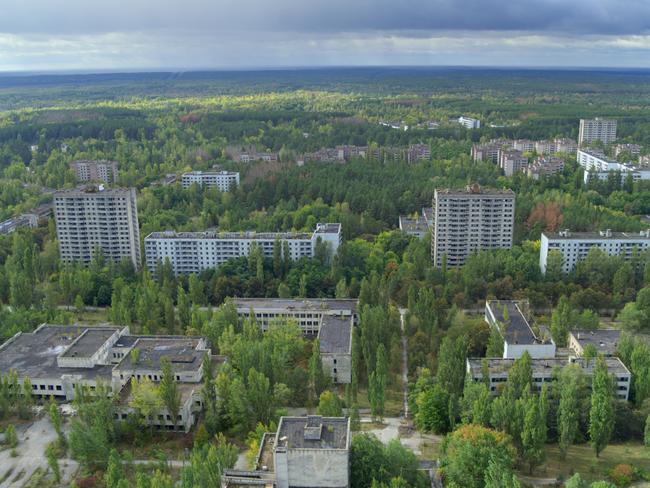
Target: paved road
x: 33, y: 438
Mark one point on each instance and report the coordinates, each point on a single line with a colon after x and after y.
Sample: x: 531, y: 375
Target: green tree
x: 468, y: 451
x: 11, y: 439
x: 317, y: 377
x: 500, y: 475
x: 184, y: 308
x: 114, y: 471
x: 145, y: 399
x: 561, y: 321
x: 568, y: 414
x: 646, y: 432
x: 168, y: 390
x: 433, y: 410
x: 329, y: 405
x: 451, y: 364
x: 53, y: 463
x: 533, y: 435
x: 601, y: 415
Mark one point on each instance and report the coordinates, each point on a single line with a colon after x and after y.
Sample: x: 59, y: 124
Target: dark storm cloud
x: 325, y: 17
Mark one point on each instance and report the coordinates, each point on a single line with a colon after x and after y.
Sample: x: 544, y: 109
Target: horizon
x: 40, y: 35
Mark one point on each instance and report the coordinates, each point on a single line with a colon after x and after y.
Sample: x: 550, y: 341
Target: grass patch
x: 430, y: 449
x: 581, y: 459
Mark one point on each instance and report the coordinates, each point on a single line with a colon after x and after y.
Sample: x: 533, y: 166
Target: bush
x: 622, y: 475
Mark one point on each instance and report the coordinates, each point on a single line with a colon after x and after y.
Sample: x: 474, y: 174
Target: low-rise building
x: 417, y: 227
x: 329, y: 320
x: 222, y: 180
x: 335, y: 342
x: 193, y: 252
x: 469, y: 122
x: 57, y: 359
x: 544, y: 370
x: 575, y: 246
x: 545, y: 166
x: 509, y: 318
x: 489, y: 151
x: 31, y: 218
x: 633, y: 149
x: 603, y: 341
x: 311, y: 451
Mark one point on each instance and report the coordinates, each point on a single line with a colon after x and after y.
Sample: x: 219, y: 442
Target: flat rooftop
x: 335, y: 334
x: 170, y: 234
x: 604, y: 340
x: 517, y: 328
x: 598, y: 235
x: 328, y: 228
x: 544, y: 367
x: 313, y: 432
x: 34, y: 354
x: 89, y: 342
x: 408, y: 224
x: 475, y: 191
x: 181, y: 351
x: 291, y: 305
x: 92, y: 191
x: 210, y: 173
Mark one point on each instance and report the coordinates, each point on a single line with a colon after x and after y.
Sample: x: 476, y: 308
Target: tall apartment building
x: 470, y: 220
x: 512, y: 162
x: 91, y: 170
x: 193, y: 252
x: 575, y: 246
x: 96, y: 218
x: 222, y: 180
x: 418, y: 152
x: 597, y: 129
x: 545, y: 166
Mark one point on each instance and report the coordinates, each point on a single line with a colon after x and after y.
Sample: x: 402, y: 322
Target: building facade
x: 193, y: 252
x: 575, y: 246
x: 597, y: 129
x: 470, y: 220
x: 58, y: 359
x: 96, y: 218
x: 331, y: 321
x: 544, y: 371
x: 222, y: 180
x: 512, y: 162
x: 310, y: 451
x: 469, y: 122
x: 97, y: 171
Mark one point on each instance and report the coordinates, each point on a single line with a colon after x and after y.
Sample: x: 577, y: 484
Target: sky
x: 40, y: 35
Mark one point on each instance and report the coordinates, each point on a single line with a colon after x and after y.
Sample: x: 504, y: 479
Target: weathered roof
x: 335, y: 334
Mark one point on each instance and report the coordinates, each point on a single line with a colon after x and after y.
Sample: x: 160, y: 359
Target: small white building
x: 469, y: 122
x: 222, y: 180
x: 509, y: 318
x: 575, y: 246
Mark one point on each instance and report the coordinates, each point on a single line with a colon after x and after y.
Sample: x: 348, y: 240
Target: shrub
x: 622, y: 475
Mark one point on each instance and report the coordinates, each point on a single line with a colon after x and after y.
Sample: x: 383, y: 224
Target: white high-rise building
x: 575, y: 246
x: 597, y: 130
x: 222, y: 180
x: 96, y: 218
x: 470, y: 220
x: 193, y: 252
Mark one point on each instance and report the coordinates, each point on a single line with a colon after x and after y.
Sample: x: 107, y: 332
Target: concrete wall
x: 316, y: 468
x: 339, y: 366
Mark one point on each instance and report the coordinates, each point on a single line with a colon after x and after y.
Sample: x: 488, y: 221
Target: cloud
x: 147, y: 34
